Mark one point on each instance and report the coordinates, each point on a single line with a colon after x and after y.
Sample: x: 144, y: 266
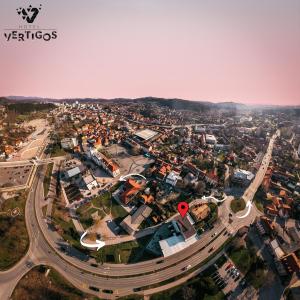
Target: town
x: 115, y: 172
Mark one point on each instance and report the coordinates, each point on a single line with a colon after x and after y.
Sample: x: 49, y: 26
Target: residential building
x: 132, y: 187
x: 107, y: 164
x: 200, y: 211
x: 242, y: 176
x: 132, y: 222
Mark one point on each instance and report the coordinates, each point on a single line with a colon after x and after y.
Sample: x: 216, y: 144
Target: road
x: 122, y: 279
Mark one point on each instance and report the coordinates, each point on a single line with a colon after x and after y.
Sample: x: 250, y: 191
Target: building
x: 291, y: 263
x: 132, y: 187
x: 172, y: 178
x: 242, y: 176
x: 90, y: 181
x: 68, y: 143
x: 210, y: 139
x: 200, y: 211
x: 73, y: 172
x: 106, y: 163
x: 199, y: 129
x: 146, y: 135
x: 132, y: 222
x: 173, y: 236
x: 183, y: 235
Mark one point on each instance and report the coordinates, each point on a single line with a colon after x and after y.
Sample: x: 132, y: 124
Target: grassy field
x: 128, y: 252
x: 103, y: 202
x: 47, y: 179
x: 117, y: 211
x: 13, y: 233
x: 237, y: 205
x: 259, y: 205
x: 85, y: 214
x: 35, y: 285
x: 57, y: 151
x: 64, y: 224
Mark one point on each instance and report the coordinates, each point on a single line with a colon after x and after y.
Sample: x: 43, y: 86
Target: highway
x: 122, y: 279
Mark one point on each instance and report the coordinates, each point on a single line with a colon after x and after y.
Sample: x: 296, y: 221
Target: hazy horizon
x: 217, y: 51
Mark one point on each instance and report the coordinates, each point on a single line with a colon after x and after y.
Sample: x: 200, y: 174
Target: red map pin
x: 182, y: 208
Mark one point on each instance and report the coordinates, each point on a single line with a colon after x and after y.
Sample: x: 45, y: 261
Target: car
x: 214, y: 234
x: 237, y: 278
x: 243, y: 282
x: 93, y: 288
x: 186, y: 268
x: 94, y: 265
x: 237, y: 274
x: 229, y: 266
x: 211, y: 249
x: 108, y: 291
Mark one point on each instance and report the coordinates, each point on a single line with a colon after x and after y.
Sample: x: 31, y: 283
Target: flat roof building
x: 210, y: 139
x: 173, y: 236
x: 132, y: 222
x: 145, y: 134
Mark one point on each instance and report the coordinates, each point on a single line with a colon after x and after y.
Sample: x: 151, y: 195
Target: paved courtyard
x: 14, y: 176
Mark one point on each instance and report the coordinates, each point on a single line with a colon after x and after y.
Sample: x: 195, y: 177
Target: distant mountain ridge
x: 166, y: 102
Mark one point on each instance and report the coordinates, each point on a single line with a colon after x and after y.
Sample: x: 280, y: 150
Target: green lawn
x: 259, y: 205
x: 237, y: 205
x: 127, y: 252
x: 14, y: 240
x: 103, y: 201
x: 57, y: 151
x: 65, y: 225
x: 85, y: 214
x: 117, y: 211
x: 47, y: 179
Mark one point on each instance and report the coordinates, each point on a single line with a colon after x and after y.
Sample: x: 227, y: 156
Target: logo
x: 30, y: 31
x: 29, y: 14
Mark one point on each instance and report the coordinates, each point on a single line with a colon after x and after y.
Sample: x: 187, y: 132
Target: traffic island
x: 237, y: 205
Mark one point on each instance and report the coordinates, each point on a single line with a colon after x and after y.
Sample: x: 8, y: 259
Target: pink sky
x: 243, y: 51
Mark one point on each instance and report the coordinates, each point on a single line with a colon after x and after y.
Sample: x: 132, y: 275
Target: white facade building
x: 69, y: 143
x: 107, y: 164
x: 172, y: 178
x: 210, y: 139
x: 90, y: 182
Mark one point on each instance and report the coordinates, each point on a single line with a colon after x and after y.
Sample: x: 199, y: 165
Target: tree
x: 200, y: 187
x: 188, y: 293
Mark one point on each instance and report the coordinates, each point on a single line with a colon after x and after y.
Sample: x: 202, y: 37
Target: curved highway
x: 121, y: 279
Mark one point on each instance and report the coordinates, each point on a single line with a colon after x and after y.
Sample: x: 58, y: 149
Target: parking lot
x: 127, y: 162
x: 227, y: 277
x: 14, y: 176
